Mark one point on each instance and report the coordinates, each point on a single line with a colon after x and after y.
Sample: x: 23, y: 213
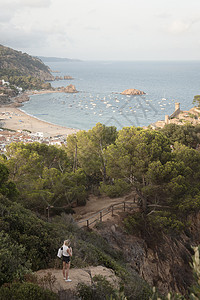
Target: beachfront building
x: 7, y: 137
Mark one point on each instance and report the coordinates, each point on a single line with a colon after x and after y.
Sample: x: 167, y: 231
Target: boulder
x: 70, y: 89
x: 132, y: 92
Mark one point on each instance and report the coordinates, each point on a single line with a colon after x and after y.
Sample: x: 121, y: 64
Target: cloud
x: 92, y: 28
x: 5, y: 15
x: 163, y: 15
x: 179, y: 26
x: 20, y: 39
x: 13, y: 4
x: 35, y: 3
x: 10, y: 8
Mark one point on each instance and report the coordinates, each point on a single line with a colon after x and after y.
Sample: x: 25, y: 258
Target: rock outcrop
x: 164, y: 264
x: 70, y: 89
x: 83, y: 275
x: 132, y: 92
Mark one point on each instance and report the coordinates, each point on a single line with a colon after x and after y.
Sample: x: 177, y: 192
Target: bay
x: 100, y: 84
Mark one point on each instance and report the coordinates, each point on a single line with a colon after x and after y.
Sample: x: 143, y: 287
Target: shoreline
x: 13, y: 117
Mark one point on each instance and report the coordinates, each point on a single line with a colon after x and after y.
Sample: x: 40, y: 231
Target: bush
x: 24, y: 291
x: 133, y: 288
x: 117, y: 189
x: 159, y: 222
x: 13, y: 262
x: 133, y: 223
x: 100, y: 289
x: 27, y: 239
x: 136, y: 288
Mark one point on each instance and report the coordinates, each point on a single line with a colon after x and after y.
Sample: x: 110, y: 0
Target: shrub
x: 136, y: 288
x: 118, y: 188
x: 13, y: 262
x: 133, y: 223
x: 100, y: 289
x: 24, y: 291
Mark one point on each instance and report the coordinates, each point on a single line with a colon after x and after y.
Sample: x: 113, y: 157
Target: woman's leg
x: 64, y: 266
x: 67, y: 270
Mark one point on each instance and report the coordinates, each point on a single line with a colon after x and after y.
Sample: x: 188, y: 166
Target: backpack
x: 60, y: 252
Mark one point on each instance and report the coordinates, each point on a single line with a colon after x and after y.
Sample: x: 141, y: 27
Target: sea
x: 99, y: 99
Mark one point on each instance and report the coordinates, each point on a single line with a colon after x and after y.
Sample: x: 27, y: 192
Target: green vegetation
x: 44, y: 176
x: 23, y: 71
x: 16, y: 60
x: 118, y: 188
x: 194, y: 116
x: 24, y: 291
x: 39, y: 181
x: 187, y: 135
x: 162, y: 166
x: 100, y: 289
x: 24, y: 82
x: 196, y: 100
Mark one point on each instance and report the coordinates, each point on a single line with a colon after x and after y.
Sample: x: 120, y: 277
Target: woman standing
x: 67, y: 253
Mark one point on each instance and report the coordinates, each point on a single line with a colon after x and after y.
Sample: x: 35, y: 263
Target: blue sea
x: 100, y: 84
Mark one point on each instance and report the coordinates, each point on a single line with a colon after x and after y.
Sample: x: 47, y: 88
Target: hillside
x: 21, y: 64
x: 150, y: 245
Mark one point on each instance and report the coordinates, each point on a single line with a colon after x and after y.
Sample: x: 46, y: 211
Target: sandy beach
x: 13, y: 118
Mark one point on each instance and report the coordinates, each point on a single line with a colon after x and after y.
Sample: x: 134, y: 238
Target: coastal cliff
x: 162, y: 261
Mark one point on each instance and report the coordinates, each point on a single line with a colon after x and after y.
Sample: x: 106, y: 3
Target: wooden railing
x: 98, y: 217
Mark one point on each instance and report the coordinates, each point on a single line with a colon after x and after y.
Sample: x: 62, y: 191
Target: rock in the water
x: 70, y: 89
x: 67, y: 77
x: 132, y: 92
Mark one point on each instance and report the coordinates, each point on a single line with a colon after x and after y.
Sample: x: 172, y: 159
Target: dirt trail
x: 96, y: 204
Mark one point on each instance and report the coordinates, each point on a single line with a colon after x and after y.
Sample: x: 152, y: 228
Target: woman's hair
x: 67, y: 242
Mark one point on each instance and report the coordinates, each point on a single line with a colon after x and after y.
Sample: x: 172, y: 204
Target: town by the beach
x: 17, y: 126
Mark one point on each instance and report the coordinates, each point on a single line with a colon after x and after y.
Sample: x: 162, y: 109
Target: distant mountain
x: 13, y: 62
x: 57, y: 59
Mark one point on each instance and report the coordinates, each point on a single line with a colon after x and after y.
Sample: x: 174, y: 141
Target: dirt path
x: 96, y: 204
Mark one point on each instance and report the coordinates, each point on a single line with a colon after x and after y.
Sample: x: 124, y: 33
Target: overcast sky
x: 103, y: 29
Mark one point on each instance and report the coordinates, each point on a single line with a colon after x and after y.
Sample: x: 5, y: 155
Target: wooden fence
x: 98, y: 217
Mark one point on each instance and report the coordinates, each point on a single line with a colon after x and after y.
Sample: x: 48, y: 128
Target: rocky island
x: 69, y: 89
x: 133, y: 92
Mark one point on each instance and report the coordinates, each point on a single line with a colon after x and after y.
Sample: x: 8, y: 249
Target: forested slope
x: 23, y: 71
x: 23, y: 64
x: 162, y: 167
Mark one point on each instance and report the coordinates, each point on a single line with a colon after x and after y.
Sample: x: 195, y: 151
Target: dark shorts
x: 66, y: 259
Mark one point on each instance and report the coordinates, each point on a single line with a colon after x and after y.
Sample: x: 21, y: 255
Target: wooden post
x: 48, y: 211
x: 100, y: 216
x: 48, y: 208
x: 124, y: 206
x: 88, y: 223
x: 112, y: 208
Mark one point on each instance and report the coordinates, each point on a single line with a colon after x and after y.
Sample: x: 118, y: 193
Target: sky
x: 103, y: 29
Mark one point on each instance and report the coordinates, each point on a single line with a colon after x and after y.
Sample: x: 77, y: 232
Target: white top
x: 65, y: 253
